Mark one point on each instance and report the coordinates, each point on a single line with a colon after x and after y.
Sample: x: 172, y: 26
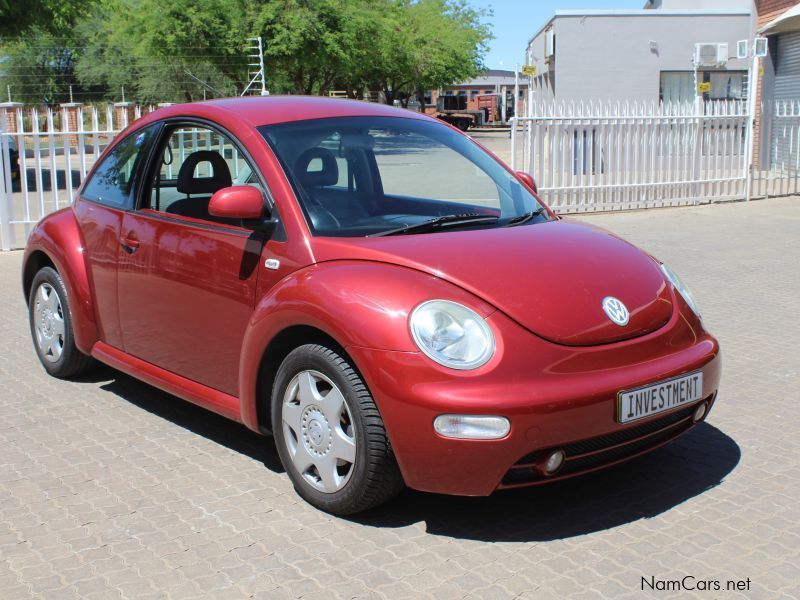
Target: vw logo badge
x: 616, y: 310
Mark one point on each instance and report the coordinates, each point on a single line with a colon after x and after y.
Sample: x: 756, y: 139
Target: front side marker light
x: 472, y: 427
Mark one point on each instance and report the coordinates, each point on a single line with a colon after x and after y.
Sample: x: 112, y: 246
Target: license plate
x: 655, y: 398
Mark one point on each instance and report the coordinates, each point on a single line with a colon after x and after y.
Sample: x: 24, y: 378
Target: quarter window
x: 112, y: 182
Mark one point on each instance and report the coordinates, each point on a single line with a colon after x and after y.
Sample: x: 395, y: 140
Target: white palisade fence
x: 604, y: 156
x: 781, y: 132
x: 583, y: 156
x: 56, y: 149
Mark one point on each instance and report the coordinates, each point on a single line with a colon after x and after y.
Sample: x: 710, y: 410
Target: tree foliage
x: 52, y: 16
x: 183, y: 50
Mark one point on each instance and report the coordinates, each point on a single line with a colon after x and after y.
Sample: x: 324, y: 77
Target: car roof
x: 267, y: 110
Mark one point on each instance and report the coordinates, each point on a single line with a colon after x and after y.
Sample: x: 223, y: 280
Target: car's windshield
x: 358, y: 176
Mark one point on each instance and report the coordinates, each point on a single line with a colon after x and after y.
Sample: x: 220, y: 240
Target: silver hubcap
x: 48, y: 322
x: 318, y: 431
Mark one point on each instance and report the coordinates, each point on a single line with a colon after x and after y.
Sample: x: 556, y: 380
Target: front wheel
x: 51, y: 327
x: 330, y: 435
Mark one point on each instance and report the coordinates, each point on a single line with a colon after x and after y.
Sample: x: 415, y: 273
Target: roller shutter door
x: 787, y: 73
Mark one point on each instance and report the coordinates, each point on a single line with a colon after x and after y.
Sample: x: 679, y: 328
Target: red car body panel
x: 558, y: 284
x: 569, y: 394
x: 59, y: 238
x: 193, y: 310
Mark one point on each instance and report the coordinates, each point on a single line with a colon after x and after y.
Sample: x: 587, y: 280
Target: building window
x: 727, y: 85
x: 679, y: 86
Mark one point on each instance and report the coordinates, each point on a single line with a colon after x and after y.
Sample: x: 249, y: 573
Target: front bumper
x: 554, y: 396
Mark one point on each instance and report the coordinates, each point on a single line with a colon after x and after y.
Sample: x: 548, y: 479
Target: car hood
x: 550, y: 277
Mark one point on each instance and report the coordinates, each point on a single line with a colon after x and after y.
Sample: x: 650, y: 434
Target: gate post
x: 697, y: 162
x: 6, y: 191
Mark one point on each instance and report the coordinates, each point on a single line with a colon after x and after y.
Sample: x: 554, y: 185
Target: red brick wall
x: 771, y: 9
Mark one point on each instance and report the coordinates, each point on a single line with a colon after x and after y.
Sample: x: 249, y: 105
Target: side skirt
x: 196, y: 393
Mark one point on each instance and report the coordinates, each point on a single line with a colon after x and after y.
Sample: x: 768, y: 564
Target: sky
x: 515, y: 21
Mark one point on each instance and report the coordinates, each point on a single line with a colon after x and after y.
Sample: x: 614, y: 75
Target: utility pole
x: 255, y: 64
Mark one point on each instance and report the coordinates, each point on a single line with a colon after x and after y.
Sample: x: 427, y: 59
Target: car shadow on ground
x: 184, y: 414
x: 641, y: 489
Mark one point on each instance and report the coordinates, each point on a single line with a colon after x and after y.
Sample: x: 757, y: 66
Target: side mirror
x: 237, y: 202
x: 527, y: 180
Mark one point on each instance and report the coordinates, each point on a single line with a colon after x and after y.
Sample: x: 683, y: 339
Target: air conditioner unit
x: 710, y: 55
x: 549, y: 43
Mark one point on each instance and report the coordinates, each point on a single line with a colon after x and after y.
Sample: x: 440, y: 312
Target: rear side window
x: 112, y: 182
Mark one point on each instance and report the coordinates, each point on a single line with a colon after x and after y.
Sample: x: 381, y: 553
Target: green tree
x: 39, y: 47
x: 53, y: 16
x: 167, y: 50
x: 181, y: 50
x: 429, y: 43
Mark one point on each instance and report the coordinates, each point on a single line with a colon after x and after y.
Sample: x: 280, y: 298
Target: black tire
x: 462, y: 124
x: 375, y: 477
x: 71, y: 361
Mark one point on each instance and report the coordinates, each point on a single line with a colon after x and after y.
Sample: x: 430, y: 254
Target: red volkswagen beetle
x: 376, y: 291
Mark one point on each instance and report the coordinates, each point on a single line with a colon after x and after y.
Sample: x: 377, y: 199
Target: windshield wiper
x: 526, y: 217
x: 439, y: 223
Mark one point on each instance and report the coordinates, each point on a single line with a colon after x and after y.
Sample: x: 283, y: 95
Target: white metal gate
x: 604, y: 156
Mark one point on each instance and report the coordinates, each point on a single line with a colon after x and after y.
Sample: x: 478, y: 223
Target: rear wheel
x: 51, y: 326
x: 329, y: 434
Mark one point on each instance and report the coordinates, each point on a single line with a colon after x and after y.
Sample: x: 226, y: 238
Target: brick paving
x: 110, y: 488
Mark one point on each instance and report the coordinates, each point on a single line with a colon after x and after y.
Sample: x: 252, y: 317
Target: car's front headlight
x: 452, y: 334
x: 682, y: 288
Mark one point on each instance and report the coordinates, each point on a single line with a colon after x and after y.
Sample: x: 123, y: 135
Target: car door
x: 99, y: 210
x: 187, y: 281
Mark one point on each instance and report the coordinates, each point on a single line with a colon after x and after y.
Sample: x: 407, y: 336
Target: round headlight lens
x: 682, y: 288
x: 452, y: 334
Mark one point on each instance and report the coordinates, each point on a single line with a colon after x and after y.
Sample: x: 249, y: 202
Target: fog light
x: 554, y: 462
x: 699, y: 412
x: 472, y: 427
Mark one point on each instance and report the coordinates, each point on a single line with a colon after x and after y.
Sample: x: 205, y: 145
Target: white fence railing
x: 584, y: 157
x: 44, y: 156
x: 606, y: 156
x: 599, y: 156
x: 779, y: 173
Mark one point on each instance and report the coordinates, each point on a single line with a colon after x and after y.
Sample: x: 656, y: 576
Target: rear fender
x: 59, y: 238
x: 357, y: 303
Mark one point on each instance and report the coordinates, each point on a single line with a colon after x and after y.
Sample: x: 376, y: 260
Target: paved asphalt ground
x: 110, y: 488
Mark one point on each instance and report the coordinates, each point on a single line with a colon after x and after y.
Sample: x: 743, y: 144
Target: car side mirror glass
x: 237, y: 202
x: 527, y: 180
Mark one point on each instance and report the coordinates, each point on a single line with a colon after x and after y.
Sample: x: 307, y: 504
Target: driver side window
x: 195, y: 163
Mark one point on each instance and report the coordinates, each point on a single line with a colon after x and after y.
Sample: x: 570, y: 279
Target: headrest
x: 327, y: 175
x: 189, y: 184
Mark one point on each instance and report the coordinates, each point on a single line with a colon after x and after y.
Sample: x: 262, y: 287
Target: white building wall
x: 610, y: 56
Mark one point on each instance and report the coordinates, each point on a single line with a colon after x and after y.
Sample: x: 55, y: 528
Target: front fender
x: 59, y: 238
x: 357, y: 303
